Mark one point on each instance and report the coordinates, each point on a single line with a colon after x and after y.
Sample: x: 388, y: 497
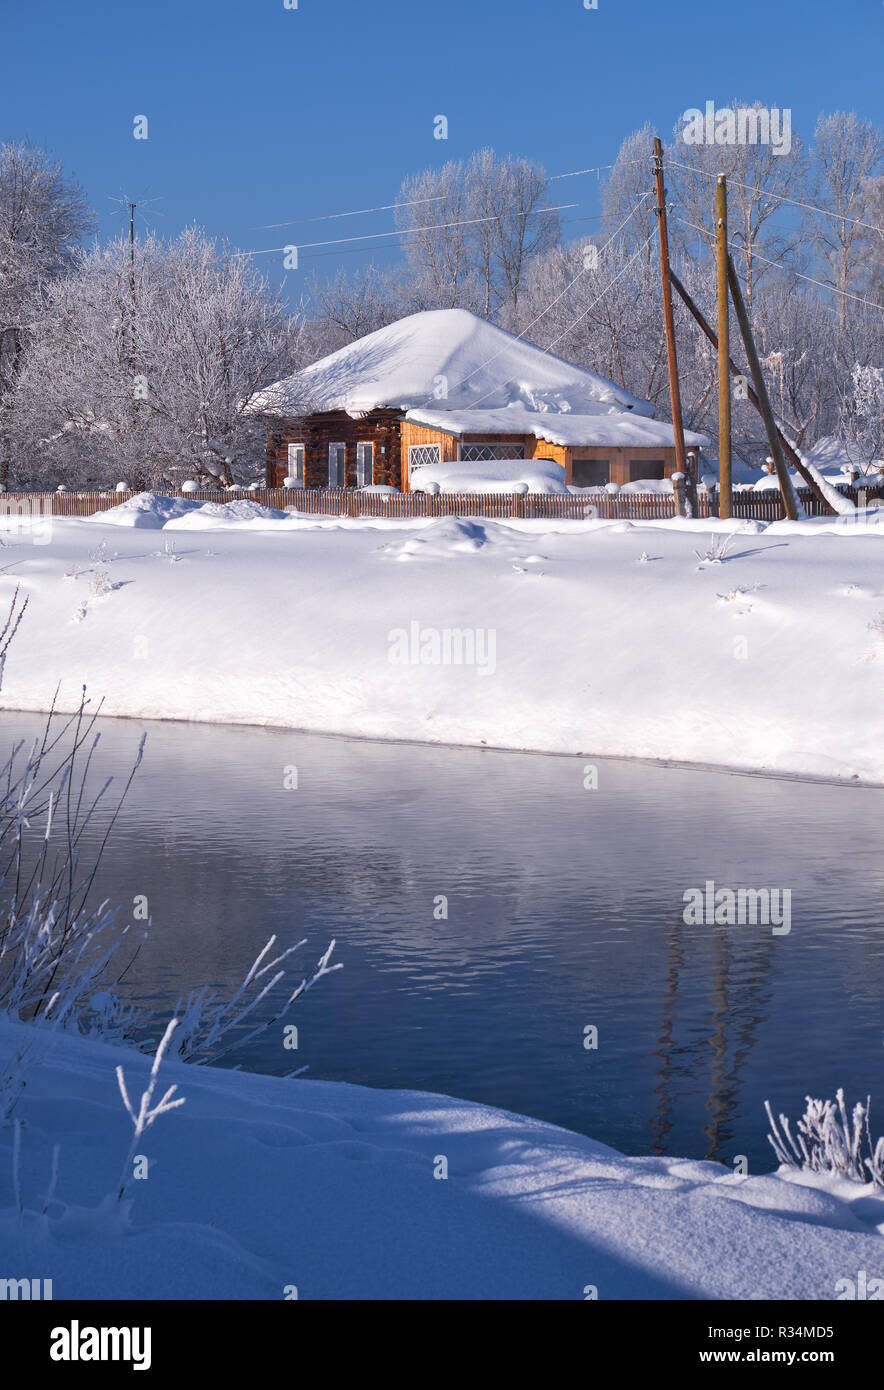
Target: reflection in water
x: 564, y: 910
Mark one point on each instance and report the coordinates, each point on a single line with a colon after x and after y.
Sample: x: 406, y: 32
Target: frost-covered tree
x: 143, y: 371
x: 624, y: 201
x: 862, y: 417
x: 348, y: 307
x: 471, y: 230
x: 760, y: 180
x: 43, y: 219
x: 848, y: 153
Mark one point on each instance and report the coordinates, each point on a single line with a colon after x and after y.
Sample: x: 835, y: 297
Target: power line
x: 756, y: 255
x: 407, y: 231
x: 412, y: 202
x: 600, y: 297
x: 358, y: 212
x: 811, y: 207
x: 354, y: 250
x: 519, y: 336
x: 598, y: 168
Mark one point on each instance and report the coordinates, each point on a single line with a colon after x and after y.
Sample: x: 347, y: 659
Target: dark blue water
x: 565, y: 910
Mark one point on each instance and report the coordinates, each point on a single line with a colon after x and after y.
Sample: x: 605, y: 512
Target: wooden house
x: 446, y: 386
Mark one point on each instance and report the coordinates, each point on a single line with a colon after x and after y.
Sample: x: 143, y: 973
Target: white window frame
x: 417, y: 452
x: 365, y: 451
x: 296, y: 462
x: 333, y: 481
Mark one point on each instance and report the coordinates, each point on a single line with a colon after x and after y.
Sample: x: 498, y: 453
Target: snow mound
x: 148, y: 511
x: 211, y: 516
x: 500, y: 475
x: 450, y: 535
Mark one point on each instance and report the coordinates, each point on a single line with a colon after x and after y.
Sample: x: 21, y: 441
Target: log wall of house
x: 541, y: 449
x: 317, y: 432
x: 392, y: 437
x: 422, y: 434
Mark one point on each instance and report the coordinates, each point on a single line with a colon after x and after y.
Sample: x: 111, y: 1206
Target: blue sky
x: 259, y: 114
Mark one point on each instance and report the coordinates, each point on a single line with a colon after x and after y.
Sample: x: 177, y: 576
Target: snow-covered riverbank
x: 593, y: 638
x: 260, y: 1185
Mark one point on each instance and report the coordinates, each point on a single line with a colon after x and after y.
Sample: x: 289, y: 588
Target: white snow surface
x: 448, y: 359
x: 609, y: 638
x: 589, y: 428
x: 498, y: 475
x: 259, y: 1183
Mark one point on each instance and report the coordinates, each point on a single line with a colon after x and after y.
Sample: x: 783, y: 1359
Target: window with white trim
x: 419, y: 455
x: 296, y: 464
x: 364, y: 464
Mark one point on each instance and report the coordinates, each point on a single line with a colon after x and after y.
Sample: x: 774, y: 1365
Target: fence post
x: 680, y: 491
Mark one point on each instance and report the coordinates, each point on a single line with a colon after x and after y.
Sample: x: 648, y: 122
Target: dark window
x: 590, y: 472
x: 296, y: 463
x: 642, y: 470
x: 364, y: 465
x: 337, y: 465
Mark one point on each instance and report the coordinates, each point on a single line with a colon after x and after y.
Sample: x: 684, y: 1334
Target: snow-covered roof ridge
x: 448, y: 359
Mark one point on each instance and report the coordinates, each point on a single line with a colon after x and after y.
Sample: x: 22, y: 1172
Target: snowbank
x: 623, y: 639
x: 501, y: 475
x: 151, y: 511
x: 259, y: 1184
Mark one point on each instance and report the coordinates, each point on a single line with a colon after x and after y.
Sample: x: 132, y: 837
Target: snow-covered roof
x: 599, y: 427
x: 449, y: 360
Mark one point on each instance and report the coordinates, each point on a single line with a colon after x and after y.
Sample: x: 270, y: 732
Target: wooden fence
x: 352, y: 502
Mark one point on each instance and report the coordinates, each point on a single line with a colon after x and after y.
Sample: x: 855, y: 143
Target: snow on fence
x: 352, y: 502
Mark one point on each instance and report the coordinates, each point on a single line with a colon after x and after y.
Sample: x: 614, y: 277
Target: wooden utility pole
x: 787, y: 448
x: 790, y: 501
x: 131, y: 344
x: 725, y: 481
x: 668, y: 321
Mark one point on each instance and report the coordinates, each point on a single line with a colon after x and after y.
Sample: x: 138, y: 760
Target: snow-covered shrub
x: 290, y: 482
x: 207, y: 1021
x: 716, y: 554
x: 144, y: 1116
x: 190, y: 486
x: 830, y: 1141
x: 121, y: 487
x: 168, y: 552
x: 101, y: 585
x: 56, y: 942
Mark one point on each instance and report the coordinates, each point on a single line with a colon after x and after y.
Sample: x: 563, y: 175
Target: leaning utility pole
x: 668, y: 321
x: 791, y: 453
x: 725, y: 481
x: 790, y: 501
